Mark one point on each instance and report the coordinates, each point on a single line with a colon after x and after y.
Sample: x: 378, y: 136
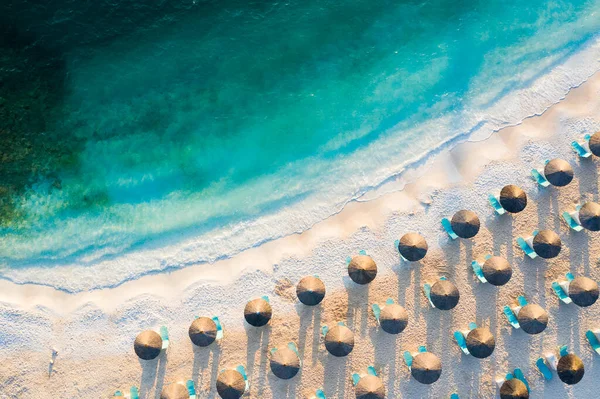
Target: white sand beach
x: 94, y: 331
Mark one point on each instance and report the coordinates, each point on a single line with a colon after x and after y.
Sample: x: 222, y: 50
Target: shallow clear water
x: 235, y: 122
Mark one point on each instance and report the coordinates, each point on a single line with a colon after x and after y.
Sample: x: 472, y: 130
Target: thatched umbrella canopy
x: 444, y: 295
x: 547, y: 244
x: 513, y: 198
x: 147, y: 345
x: 393, y: 319
x: 203, y: 331
x: 514, y: 389
x: 285, y: 363
x: 175, y: 391
x: 465, y: 224
x: 413, y: 247
x: 532, y: 318
x: 231, y: 384
x: 480, y: 342
x: 595, y: 144
x: 558, y: 172
x: 258, y: 312
x: 370, y: 387
x: 583, y: 291
x: 339, y: 341
x: 497, y: 270
x: 589, y: 216
x: 426, y: 368
x: 362, y: 269
x: 570, y: 369
x: 310, y: 290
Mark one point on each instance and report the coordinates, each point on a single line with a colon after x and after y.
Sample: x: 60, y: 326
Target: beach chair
x: 220, y: 331
x: 511, y: 313
x: 319, y: 394
x: 191, y: 389
x: 461, y: 338
x: 526, y: 244
x: 242, y: 370
x: 377, y: 310
x: 572, y: 218
x: 546, y: 365
x: 593, y: 338
x: 164, y: 334
x: 495, y: 202
x: 356, y: 377
x: 454, y: 396
x: 539, y: 176
x: 408, y: 356
x: 582, y: 148
x: 427, y: 291
x: 478, y: 269
x: 448, y: 228
x: 133, y: 394
x: 561, y: 288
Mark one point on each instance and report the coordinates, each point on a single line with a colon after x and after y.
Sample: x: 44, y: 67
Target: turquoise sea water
x: 235, y: 122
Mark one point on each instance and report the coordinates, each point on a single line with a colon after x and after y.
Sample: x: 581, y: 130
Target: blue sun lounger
x: 427, y: 291
x: 408, y: 357
x: 448, y: 228
x: 511, y: 313
x: 592, y: 337
x: 572, y: 219
x: 526, y: 244
x: 164, y: 334
x: 133, y: 393
x: 356, y: 377
x: 191, y: 389
x: 539, y: 176
x: 559, y: 288
x: 582, y: 148
x: 319, y: 394
x: 377, y: 309
x: 460, y: 337
x: 495, y: 202
x: 478, y: 269
x: 549, y: 363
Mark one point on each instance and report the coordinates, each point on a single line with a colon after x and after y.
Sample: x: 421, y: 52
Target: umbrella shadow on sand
x: 203, y: 359
x: 153, y: 374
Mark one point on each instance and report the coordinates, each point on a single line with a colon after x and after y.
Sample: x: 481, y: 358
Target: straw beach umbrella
x: 370, y: 387
x: 310, y: 290
x: 465, y: 224
x: 444, y: 295
x: 203, y: 331
x: 426, y: 368
x: 412, y: 247
x: 339, y: 341
x: 532, y: 318
x: 497, y: 270
x: 570, y: 369
x: 547, y: 244
x: 393, y: 319
x: 583, y: 291
x: 147, y: 345
x: 589, y: 216
x: 231, y: 384
x: 362, y: 269
x: 513, y: 199
x: 175, y: 391
x: 514, y: 389
x: 558, y: 172
x: 285, y: 363
x: 480, y: 342
x: 258, y: 312
x: 594, y: 144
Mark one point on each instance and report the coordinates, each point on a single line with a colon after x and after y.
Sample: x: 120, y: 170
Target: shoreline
x: 190, y: 251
